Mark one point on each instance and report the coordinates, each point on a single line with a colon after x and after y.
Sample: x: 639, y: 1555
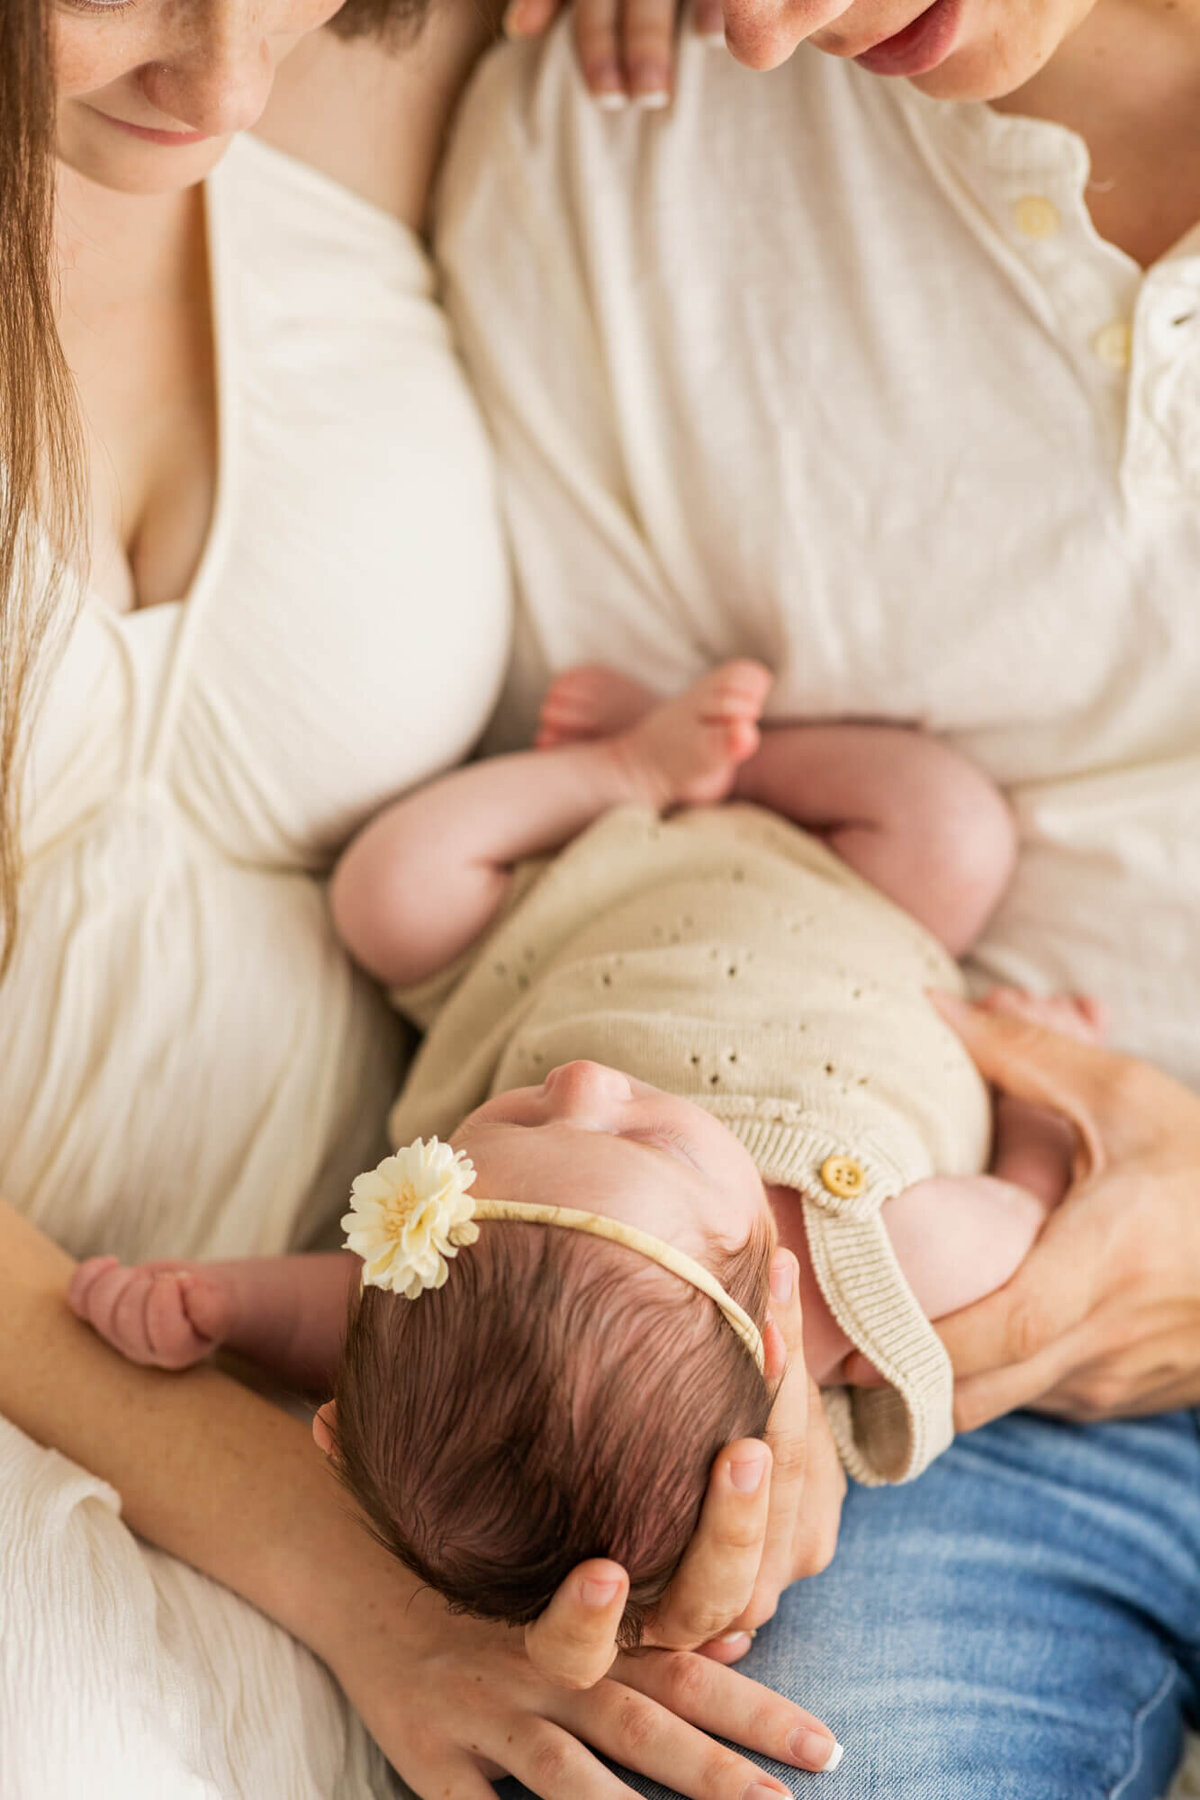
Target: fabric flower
x: 409, y: 1215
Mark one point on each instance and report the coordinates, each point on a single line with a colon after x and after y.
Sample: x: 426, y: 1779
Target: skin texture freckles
x: 197, y: 69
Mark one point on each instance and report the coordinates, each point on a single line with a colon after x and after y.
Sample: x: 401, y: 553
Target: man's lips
x: 920, y: 46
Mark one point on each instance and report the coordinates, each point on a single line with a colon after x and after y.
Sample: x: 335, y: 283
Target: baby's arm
x: 286, y: 1312
x: 420, y: 883
x: 903, y: 809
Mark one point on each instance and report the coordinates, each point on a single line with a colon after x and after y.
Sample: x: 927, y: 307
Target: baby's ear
x: 325, y: 1428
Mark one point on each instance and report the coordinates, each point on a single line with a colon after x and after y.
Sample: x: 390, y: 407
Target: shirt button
x: 1036, y: 216
x: 842, y: 1176
x: 1113, y: 344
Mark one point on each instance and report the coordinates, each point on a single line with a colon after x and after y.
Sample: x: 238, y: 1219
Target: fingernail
x: 746, y: 1474
x: 736, y: 1637
x: 599, y: 1593
x: 715, y: 39
x: 783, y: 1271
x: 612, y: 100
x: 814, y: 1751
x: 654, y: 99
x: 758, y: 1790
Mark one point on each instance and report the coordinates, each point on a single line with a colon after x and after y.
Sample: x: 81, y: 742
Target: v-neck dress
x: 190, y: 1063
x: 192, y: 1066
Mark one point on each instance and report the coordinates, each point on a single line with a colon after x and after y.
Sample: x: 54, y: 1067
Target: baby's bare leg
x: 903, y: 809
x: 287, y: 1313
x: 424, y: 878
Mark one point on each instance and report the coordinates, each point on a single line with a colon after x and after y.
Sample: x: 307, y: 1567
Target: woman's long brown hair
x: 42, y: 481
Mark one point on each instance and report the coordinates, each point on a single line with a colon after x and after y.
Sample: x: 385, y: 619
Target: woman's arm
x: 227, y: 1482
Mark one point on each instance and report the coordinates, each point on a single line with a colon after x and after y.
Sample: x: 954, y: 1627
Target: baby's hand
x: 165, y: 1314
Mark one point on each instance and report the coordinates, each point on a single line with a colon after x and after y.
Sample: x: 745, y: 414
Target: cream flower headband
x: 413, y: 1212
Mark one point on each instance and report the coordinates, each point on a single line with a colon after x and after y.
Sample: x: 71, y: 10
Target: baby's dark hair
x: 561, y: 1397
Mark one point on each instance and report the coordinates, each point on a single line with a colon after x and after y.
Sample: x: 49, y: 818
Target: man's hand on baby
x: 163, y: 1314
x: 1102, y: 1320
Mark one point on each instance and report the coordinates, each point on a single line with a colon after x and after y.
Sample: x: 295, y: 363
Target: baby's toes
x: 173, y: 1339
x: 740, y: 690
x: 84, y: 1279
x: 209, y: 1308
x: 113, y: 1303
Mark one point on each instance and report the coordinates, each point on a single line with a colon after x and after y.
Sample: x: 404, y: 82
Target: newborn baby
x: 662, y: 1034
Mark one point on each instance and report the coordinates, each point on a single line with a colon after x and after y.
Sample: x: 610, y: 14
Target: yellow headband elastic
x: 413, y: 1213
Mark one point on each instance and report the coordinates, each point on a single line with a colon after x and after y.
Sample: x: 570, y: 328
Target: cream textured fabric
x: 726, y: 955
x: 780, y: 372
x: 191, y: 1066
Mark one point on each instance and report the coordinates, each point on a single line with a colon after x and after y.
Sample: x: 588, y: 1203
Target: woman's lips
x: 151, y: 135
x: 920, y: 47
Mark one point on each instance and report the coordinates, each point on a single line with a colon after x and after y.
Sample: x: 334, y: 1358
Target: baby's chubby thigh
x: 959, y: 1237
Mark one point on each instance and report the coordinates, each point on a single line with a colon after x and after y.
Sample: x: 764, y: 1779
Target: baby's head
x: 561, y: 1396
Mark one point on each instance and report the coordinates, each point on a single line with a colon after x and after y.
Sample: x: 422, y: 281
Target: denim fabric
x: 1021, y: 1623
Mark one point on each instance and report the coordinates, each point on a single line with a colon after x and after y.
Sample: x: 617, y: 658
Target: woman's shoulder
x: 371, y: 114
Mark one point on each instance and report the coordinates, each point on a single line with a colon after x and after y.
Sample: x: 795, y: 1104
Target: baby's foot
x: 687, y: 751
x: 1077, y: 1016
x: 590, y: 702
x: 167, y: 1314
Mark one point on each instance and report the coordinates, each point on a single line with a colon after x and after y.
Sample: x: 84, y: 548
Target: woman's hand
x: 455, y: 1704
x: 1102, y: 1320
x: 626, y: 47
x: 755, y: 1537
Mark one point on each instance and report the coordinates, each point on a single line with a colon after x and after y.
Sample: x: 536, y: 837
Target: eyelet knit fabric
x: 726, y: 955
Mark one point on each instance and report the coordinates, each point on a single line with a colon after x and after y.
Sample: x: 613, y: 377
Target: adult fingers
x: 1113, y: 1101
x: 981, y: 1398
x: 450, y: 1778
x: 647, y: 49
x: 787, y: 1433
x: 1063, y: 1278
x: 528, y: 18
x: 716, y: 1578
x: 597, y: 42
x: 634, y: 1729
x: 556, y: 1766
x: 824, y: 1495
x: 574, y: 1641
x: 725, y: 1704
x: 708, y: 19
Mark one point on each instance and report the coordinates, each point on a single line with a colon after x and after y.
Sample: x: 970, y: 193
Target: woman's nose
x: 217, y: 75
x: 585, y: 1090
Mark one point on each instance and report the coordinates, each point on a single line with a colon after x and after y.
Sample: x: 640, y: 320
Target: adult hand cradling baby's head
x: 578, y: 1385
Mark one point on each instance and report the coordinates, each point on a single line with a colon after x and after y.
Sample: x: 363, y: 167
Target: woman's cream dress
x: 190, y: 1064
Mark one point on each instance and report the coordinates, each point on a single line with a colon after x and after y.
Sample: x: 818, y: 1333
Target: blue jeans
x: 1022, y: 1623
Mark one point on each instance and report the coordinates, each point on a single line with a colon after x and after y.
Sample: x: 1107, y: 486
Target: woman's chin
x: 145, y: 169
